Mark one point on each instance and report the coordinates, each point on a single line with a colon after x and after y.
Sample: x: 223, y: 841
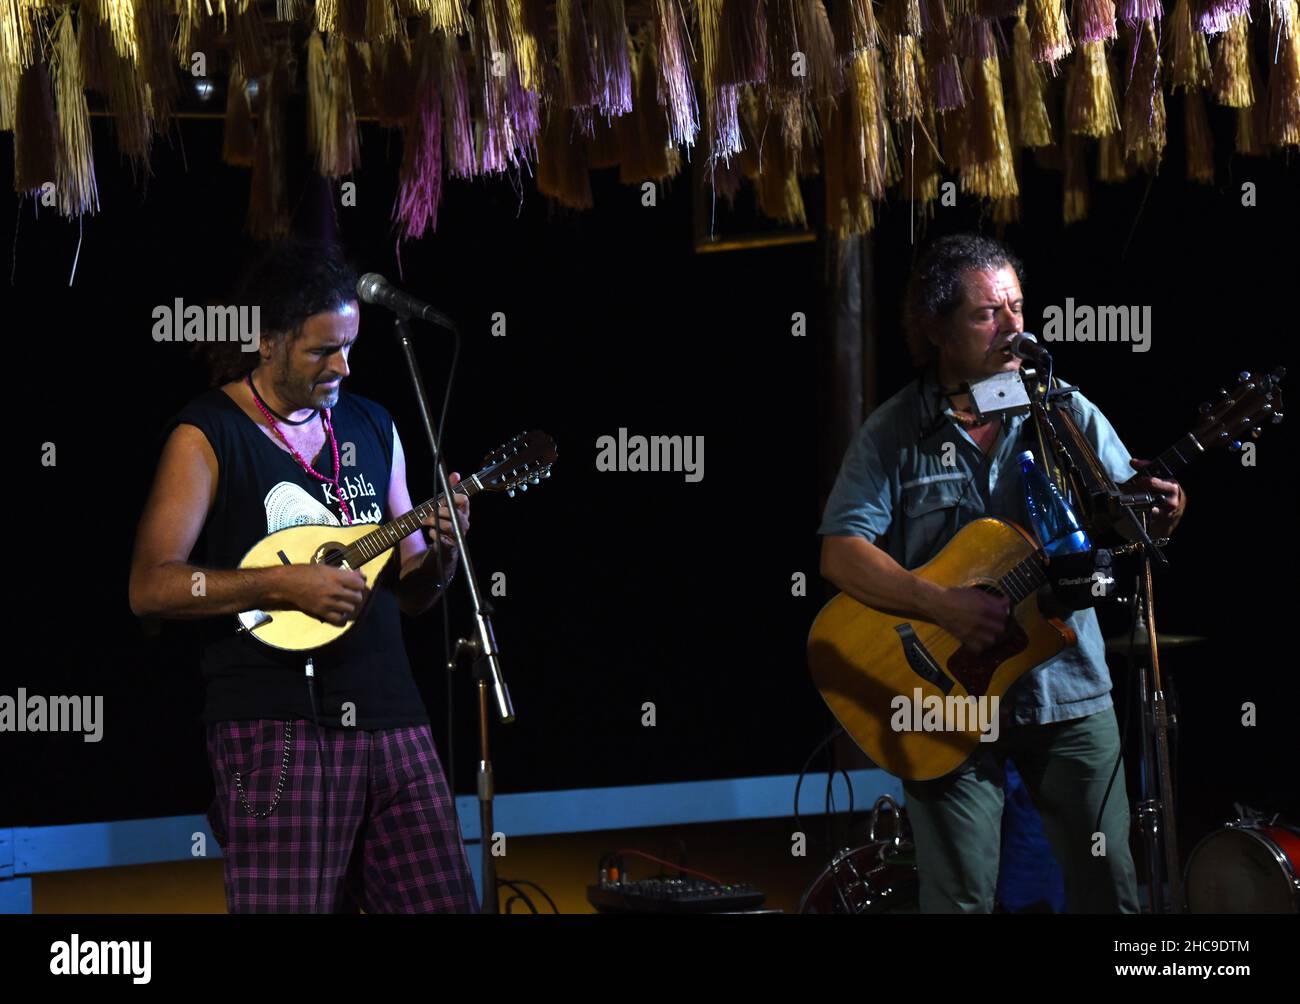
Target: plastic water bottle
x: 1050, y: 517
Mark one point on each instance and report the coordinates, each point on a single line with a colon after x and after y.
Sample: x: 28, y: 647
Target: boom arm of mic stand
x: 482, y: 617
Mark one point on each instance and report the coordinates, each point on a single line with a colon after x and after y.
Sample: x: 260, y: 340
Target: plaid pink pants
x: 382, y: 823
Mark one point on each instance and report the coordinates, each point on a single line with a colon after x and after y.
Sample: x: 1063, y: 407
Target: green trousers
x: 957, y: 819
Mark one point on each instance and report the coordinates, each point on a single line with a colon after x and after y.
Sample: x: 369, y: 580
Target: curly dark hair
x: 290, y: 281
x: 934, y: 289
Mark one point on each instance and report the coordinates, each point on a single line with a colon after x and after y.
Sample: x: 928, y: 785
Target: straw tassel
x: 1144, y: 103
x: 906, y: 99
x: 268, y: 215
x: 1230, y: 76
x: 248, y: 35
x: 238, y: 141
x: 782, y: 44
x: 35, y: 157
x: 676, y: 87
x: 381, y: 21
x: 75, y: 167
x: 561, y: 169
x: 1110, y: 148
x: 1091, y: 111
x: 1049, y: 32
x: 419, y: 188
x: 1035, y: 129
x: 447, y: 16
x: 17, y: 40
x: 743, y: 56
x: 338, y: 151
x: 1284, y: 80
x: 1200, y: 144
x: 814, y: 26
x: 920, y: 155
x: 527, y: 27
x: 119, y: 17
x: 987, y: 168
x: 1075, y: 178
x: 854, y: 25
x: 1190, y: 60
x: 1252, y: 122
x: 855, y: 160
x: 392, y: 81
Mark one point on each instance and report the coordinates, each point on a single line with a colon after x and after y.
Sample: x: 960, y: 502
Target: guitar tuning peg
x: 1204, y: 407
x: 538, y: 481
x: 510, y: 493
x: 1277, y: 417
x: 1254, y: 433
x: 523, y: 485
x: 1235, y: 445
x: 1243, y: 376
x: 1222, y: 393
x: 547, y: 473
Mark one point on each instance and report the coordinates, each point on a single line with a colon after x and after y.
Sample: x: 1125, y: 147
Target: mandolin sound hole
x: 329, y: 553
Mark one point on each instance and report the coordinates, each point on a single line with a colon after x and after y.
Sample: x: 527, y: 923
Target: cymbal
x: 1119, y: 645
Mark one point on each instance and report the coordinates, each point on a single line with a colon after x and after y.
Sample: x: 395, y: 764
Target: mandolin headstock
x: 525, y: 460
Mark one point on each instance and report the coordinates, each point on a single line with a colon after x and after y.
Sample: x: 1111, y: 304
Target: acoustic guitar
x: 863, y: 660
x: 513, y: 466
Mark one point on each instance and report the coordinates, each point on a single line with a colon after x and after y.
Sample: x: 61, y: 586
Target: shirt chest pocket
x: 934, y: 508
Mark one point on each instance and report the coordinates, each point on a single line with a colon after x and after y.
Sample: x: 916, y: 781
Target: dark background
x: 623, y: 587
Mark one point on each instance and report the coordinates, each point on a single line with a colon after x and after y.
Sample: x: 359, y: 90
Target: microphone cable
x: 324, y: 779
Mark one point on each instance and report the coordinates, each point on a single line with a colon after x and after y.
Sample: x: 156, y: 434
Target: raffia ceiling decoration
x: 877, y: 100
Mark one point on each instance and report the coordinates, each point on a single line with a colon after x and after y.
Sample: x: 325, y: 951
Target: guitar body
x: 293, y: 630
x: 861, y: 658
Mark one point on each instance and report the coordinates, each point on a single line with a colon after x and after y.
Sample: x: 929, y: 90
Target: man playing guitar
x: 342, y: 806
x: 921, y: 467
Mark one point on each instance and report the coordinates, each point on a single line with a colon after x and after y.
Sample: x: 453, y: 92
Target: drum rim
x: 1255, y: 830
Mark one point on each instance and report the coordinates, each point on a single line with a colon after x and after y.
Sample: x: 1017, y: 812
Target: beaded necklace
x: 334, y: 446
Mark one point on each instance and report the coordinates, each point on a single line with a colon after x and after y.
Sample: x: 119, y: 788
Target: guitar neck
x: 1174, y: 459
x: 379, y: 540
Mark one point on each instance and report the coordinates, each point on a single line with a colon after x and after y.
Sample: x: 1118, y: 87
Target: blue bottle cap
x: 1027, y: 455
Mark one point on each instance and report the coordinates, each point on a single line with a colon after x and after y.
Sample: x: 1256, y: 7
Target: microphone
x: 1026, y: 347
x: 374, y: 288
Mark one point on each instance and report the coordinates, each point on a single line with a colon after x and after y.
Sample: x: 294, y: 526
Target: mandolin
x: 525, y: 460
x: 867, y: 663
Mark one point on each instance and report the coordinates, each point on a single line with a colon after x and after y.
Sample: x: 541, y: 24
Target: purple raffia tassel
x: 676, y: 87
x: 420, y: 186
x: 1216, y: 17
x: 1094, y: 20
x: 1135, y: 11
x: 453, y: 82
x: 613, y: 65
x: 726, y: 120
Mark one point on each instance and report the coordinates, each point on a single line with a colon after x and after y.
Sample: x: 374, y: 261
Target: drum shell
x: 1245, y: 868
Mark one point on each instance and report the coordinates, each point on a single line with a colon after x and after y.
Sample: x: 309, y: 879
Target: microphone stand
x: 1155, y: 808
x: 484, y: 646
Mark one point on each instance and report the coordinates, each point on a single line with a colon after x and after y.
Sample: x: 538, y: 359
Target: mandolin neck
x: 379, y: 540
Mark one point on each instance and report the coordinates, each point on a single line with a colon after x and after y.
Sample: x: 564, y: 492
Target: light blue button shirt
x: 912, y: 477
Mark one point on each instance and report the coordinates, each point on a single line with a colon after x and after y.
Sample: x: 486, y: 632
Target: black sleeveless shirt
x: 261, y: 489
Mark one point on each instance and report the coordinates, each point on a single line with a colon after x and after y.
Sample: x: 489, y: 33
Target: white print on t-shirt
x: 288, y: 504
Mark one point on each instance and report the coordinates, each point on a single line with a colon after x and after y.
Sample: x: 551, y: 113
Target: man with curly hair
x: 346, y: 809
x: 898, y: 500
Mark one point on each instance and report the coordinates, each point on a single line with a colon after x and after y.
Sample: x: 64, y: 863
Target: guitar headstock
x: 1256, y: 401
x: 513, y: 466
